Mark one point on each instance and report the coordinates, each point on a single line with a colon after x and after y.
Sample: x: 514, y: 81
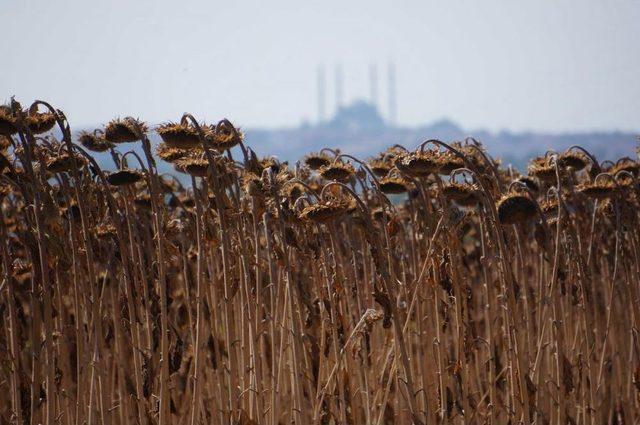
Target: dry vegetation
x: 261, y: 293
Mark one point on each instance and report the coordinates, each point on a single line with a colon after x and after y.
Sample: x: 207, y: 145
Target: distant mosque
x: 361, y: 114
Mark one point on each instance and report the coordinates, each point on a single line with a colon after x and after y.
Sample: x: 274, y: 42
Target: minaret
x: 321, y: 93
x: 339, y: 87
x: 392, y: 93
x: 373, y: 85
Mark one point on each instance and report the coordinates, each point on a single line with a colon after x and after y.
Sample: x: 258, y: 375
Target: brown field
x: 427, y: 285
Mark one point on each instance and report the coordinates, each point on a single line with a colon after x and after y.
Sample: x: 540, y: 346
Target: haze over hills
x: 359, y: 129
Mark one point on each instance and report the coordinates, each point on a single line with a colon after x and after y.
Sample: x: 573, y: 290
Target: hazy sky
x: 542, y: 64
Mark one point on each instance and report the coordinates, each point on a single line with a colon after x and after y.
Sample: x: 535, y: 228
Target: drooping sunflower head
x: 123, y: 130
x: 316, y: 160
x: 40, y: 122
x: 598, y: 189
x: 325, y: 211
x: 63, y: 162
x: 170, y: 153
x: 515, y: 207
x: 543, y: 169
x: 124, y: 177
x: 572, y: 159
x: 419, y: 164
x: 224, y: 136
x: 338, y: 171
x: 393, y: 185
x: 7, y: 121
x: 95, y: 142
x: 180, y: 136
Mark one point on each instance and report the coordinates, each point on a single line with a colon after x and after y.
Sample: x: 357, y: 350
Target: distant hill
x: 359, y: 129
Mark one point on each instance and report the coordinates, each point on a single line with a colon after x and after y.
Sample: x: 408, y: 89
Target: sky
x: 542, y: 65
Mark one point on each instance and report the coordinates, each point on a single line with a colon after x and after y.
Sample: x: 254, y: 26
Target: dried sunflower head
x: 573, y: 159
x: 123, y: 130
x: 543, y: 169
x: 64, y: 162
x: 181, y: 136
x: 393, y: 185
x: 253, y: 185
x: 450, y: 162
x: 195, y: 165
x: 40, y: 122
x: 380, y: 166
x: 7, y: 121
x: 598, y: 189
x: 516, y: 208
x: 94, y: 142
x: 124, y: 177
x: 337, y: 170
x: 224, y: 136
x: 628, y: 165
x: 325, y: 211
x: 292, y: 191
x: 419, y: 164
x: 463, y: 194
x: 315, y: 161
x: 170, y: 153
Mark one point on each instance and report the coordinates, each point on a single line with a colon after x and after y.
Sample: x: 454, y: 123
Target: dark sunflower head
x: 94, y: 142
x: 40, y: 122
x: 449, y: 162
x: 325, y: 211
x: 419, y: 164
x: 170, y: 153
x: 315, y: 161
x: 463, y: 194
x: 543, y: 169
x: 63, y: 162
x: 253, y: 185
x: 338, y: 171
x: 572, y: 159
x: 7, y: 121
x: 124, y: 177
x: 380, y: 166
x: 195, y: 165
x: 181, y: 136
x: 393, y: 185
x: 514, y: 208
x: 224, y: 136
x: 123, y: 130
x: 628, y: 165
x: 598, y: 189
x: 292, y: 191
